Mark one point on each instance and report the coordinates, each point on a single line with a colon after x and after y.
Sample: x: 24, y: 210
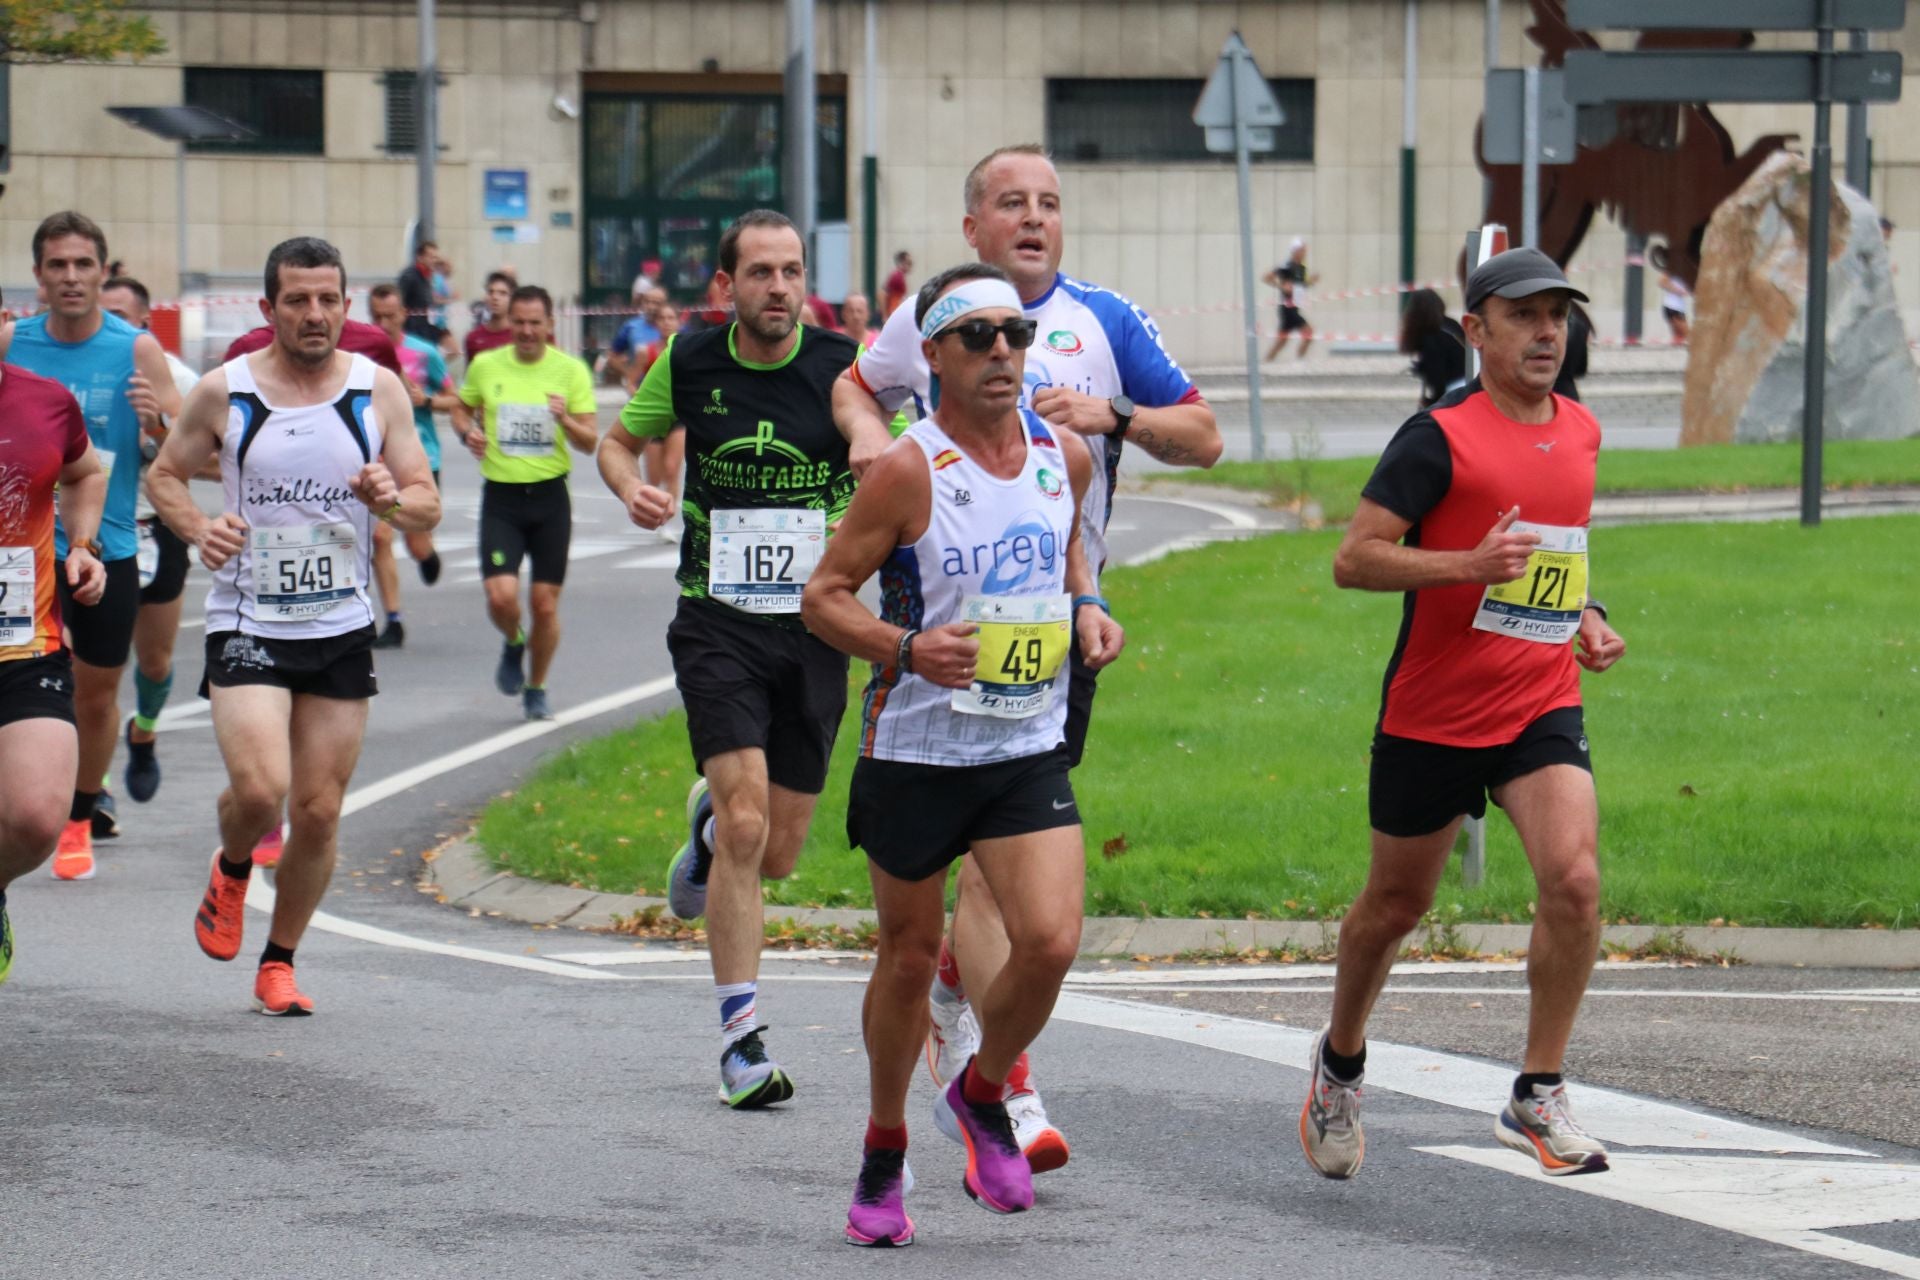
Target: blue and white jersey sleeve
x: 893, y: 369
x: 1149, y: 375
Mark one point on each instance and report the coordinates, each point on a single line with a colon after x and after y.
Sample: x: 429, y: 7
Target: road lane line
x: 1235, y: 517
x: 1641, y: 993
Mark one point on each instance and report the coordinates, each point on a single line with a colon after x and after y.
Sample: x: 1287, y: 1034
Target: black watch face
x: 1122, y: 407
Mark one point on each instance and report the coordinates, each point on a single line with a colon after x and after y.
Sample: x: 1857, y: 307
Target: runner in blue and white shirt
x: 1097, y: 368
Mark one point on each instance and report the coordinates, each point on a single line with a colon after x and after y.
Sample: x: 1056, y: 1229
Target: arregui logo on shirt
x: 1009, y: 560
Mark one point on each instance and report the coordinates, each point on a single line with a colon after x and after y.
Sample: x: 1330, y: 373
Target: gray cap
x: 1517, y: 273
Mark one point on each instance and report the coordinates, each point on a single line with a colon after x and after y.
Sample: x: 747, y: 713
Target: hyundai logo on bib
x: 1009, y: 560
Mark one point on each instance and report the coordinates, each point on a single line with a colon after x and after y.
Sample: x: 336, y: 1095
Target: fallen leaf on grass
x: 1114, y: 847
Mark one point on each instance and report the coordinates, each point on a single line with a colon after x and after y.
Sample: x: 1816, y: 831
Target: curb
x: 1620, y: 508
x: 463, y: 879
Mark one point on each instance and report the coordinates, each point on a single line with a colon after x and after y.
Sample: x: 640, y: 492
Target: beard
x: 769, y: 330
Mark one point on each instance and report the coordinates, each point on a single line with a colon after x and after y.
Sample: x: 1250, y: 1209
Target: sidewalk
x: 462, y: 879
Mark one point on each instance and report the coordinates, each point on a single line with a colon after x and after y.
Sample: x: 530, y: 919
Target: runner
x: 664, y: 456
x: 1291, y: 278
x: 964, y: 722
x: 45, y: 445
x: 289, y: 664
x: 119, y: 375
x: 1098, y: 370
x: 769, y: 473
x: 496, y: 330
x: 1482, y: 695
x: 635, y: 335
x: 429, y: 388
x: 535, y: 401
x: 162, y: 562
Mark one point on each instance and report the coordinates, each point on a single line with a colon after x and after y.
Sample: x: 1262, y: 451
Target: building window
x: 1151, y: 121
x: 403, y: 112
x: 285, y: 109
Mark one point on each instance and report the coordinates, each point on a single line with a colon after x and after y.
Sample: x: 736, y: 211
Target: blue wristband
x: 1101, y: 601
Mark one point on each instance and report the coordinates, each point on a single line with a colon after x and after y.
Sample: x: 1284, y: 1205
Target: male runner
x: 162, y: 562
x: 535, y: 401
x: 969, y: 523
x: 119, y: 375
x: 635, y: 335
x: 44, y: 444
x: 767, y: 475
x: 307, y: 463
x: 1482, y: 695
x: 1098, y: 370
x: 1291, y: 279
x: 496, y: 330
x: 429, y: 387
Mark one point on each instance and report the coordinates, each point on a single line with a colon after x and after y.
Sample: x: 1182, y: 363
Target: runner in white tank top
x: 306, y: 464
x: 972, y: 520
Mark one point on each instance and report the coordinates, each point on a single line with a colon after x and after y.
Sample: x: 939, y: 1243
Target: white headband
x: 970, y: 296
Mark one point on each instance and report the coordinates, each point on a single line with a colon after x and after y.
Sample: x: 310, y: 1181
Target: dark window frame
x: 268, y: 115
x: 400, y: 111
x: 1099, y: 120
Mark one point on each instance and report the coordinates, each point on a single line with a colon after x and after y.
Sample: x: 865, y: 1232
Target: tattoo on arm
x: 1171, y: 452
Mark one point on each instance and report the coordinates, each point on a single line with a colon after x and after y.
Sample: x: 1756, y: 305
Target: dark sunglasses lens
x: 1020, y: 333
x: 977, y: 335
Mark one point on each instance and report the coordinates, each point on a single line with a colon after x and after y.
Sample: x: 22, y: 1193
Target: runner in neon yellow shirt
x: 534, y: 402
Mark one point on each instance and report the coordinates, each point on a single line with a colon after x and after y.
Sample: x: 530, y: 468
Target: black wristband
x: 1595, y: 604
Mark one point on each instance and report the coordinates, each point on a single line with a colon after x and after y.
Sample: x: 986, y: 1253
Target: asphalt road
x: 480, y: 1098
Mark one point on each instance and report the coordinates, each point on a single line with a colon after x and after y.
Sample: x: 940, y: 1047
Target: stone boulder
x: 1747, y: 351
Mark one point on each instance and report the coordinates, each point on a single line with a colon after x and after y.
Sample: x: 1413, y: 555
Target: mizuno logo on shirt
x: 1546, y: 446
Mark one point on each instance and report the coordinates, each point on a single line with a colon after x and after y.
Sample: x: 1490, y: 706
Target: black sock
x: 83, y: 802
x: 240, y: 870
x: 275, y: 952
x: 1343, y: 1068
x: 1524, y: 1082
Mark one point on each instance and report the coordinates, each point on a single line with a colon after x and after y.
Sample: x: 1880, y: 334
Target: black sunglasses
x: 977, y: 335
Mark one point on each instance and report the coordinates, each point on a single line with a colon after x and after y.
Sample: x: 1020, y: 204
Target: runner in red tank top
x: 1478, y: 512
x: 43, y: 443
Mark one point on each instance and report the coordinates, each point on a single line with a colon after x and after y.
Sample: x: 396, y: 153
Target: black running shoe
x: 430, y: 568
x: 748, y: 1078
x: 106, y: 818
x: 508, y: 677
x: 394, y: 637
x: 143, y: 767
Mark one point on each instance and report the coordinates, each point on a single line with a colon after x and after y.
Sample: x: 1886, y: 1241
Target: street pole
x: 1409, y: 139
x: 802, y: 200
x: 180, y: 215
x: 1492, y: 37
x: 1636, y: 303
x: 1819, y: 202
x: 1243, y: 163
x: 426, y: 86
x: 870, y: 164
x: 1530, y: 161
x: 1859, y: 172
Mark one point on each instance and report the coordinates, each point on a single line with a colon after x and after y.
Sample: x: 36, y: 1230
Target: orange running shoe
x: 275, y: 995
x: 73, y: 856
x: 267, y: 852
x: 217, y: 925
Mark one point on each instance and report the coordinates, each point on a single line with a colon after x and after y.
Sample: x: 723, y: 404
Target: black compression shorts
x: 102, y: 633
x: 526, y: 521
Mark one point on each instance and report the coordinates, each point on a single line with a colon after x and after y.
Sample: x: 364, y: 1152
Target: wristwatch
x: 1122, y: 413
x: 91, y: 545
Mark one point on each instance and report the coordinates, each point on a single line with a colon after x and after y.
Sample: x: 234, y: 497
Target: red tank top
x: 1449, y: 682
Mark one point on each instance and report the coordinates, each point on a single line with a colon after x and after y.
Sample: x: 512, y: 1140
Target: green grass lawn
x: 1335, y: 483
x: 1757, y: 749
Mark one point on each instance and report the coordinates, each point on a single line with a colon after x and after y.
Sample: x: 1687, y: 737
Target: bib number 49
x: 1024, y: 661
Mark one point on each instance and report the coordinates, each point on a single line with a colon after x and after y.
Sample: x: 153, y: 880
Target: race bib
x: 1024, y: 641
x: 146, y: 552
x: 759, y: 560
x: 16, y: 596
x: 524, y: 430
x: 301, y: 572
x: 1544, y: 603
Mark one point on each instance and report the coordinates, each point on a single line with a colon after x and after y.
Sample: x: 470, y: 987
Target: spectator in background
x: 1574, y: 367
x: 854, y: 314
x: 714, y: 312
x: 1675, y: 302
x: 1436, y: 343
x: 633, y: 338
x: 417, y: 294
x: 645, y: 283
x: 824, y: 316
x: 493, y: 330
x: 896, y: 287
x: 663, y: 456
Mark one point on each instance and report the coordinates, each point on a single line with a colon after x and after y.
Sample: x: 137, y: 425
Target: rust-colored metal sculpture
x: 1659, y: 169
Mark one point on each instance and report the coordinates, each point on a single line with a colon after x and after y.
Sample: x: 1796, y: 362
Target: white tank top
x: 303, y: 574
x: 994, y: 553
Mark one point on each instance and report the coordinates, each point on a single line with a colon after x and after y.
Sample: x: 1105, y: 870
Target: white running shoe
x: 952, y: 1038
x: 1543, y: 1127
x: 1044, y: 1146
x: 1330, y: 1134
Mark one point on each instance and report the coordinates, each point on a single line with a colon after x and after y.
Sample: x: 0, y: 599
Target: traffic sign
x: 1236, y: 85
x: 1721, y: 15
x: 1730, y: 75
x: 1502, y: 137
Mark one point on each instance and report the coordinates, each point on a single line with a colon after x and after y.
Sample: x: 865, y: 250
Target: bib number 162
x: 768, y: 562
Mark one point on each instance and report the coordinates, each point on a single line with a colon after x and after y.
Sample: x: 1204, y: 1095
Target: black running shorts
x: 102, y: 633
x: 37, y: 688
x: 1081, y: 686
x: 747, y: 682
x: 1416, y: 788
x: 328, y: 667
x: 526, y: 521
x: 170, y: 575
x: 1291, y: 319
x: 913, y: 820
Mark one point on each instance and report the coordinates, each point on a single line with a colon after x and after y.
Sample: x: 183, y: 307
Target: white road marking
x: 653, y: 560
x: 643, y: 955
x: 1639, y: 993
x: 1441, y: 1077
x: 1235, y: 517
x: 1783, y: 1202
